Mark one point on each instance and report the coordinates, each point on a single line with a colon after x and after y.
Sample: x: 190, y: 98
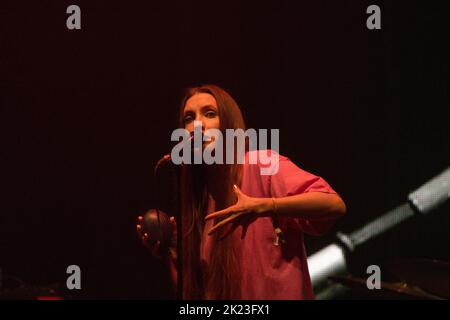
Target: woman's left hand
x: 245, y: 207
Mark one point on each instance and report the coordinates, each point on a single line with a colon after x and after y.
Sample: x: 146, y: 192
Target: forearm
x: 171, y: 263
x: 173, y: 274
x: 309, y: 205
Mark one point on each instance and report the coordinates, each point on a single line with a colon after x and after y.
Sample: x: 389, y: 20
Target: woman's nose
x: 191, y: 126
x: 200, y: 118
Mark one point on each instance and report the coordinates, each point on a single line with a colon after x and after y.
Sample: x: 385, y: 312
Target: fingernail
x: 138, y: 226
x: 235, y: 186
x: 140, y: 218
x: 146, y: 235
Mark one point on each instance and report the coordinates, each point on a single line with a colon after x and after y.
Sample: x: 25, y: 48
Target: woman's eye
x: 210, y: 114
x: 187, y: 119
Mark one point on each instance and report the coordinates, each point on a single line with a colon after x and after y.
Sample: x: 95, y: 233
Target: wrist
x: 267, y: 206
x: 171, y: 257
x: 274, y: 208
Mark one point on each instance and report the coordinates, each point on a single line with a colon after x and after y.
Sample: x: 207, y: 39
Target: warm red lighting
x: 49, y: 298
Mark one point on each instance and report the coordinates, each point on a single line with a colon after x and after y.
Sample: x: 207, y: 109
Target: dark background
x: 85, y: 115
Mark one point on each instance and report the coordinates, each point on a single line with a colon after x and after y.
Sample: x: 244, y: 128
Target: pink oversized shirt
x: 269, y: 271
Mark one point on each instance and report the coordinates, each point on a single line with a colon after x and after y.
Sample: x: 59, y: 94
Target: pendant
x: 279, y: 237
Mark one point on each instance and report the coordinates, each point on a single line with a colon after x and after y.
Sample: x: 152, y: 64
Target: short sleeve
x: 290, y: 180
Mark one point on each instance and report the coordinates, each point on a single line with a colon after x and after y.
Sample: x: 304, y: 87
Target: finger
x: 223, y: 222
x: 173, y: 223
x: 144, y: 239
x: 139, y: 231
x: 174, y: 231
x: 219, y: 213
x: 237, y: 190
x: 173, y: 254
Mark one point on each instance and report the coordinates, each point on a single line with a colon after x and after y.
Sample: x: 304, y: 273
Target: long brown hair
x: 221, y: 279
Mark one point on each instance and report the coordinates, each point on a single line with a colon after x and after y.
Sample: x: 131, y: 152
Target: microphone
x: 155, y: 223
x: 167, y: 157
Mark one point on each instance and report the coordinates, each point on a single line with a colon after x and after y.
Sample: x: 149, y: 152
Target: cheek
x: 189, y: 127
x: 213, y: 123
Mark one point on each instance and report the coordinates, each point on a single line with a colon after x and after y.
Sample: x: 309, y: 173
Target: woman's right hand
x: 155, y: 247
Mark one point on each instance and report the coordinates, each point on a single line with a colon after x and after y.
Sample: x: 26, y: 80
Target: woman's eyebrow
x: 209, y: 106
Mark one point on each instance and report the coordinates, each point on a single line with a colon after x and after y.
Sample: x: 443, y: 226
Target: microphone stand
x: 165, y: 159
